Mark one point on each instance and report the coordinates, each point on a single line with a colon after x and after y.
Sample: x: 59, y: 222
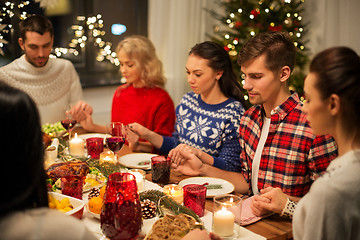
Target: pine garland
x: 164, y: 201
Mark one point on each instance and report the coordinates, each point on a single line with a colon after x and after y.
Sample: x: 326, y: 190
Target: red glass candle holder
x: 194, y: 198
x: 95, y: 146
x: 72, y: 186
x: 160, y: 169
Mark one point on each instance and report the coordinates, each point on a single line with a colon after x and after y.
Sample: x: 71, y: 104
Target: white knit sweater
x: 52, y: 87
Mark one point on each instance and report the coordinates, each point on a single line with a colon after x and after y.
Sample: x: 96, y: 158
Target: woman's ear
x: 219, y: 74
x: 334, y: 104
x: 285, y: 73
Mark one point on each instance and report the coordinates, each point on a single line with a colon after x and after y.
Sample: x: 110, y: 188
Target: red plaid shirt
x: 292, y: 157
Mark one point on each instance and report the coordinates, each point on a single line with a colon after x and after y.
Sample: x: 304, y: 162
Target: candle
x: 107, y: 157
x: 140, y: 178
x: 223, y: 223
x: 76, y: 146
x: 174, y: 191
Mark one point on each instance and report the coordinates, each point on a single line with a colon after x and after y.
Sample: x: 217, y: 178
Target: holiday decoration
x: 148, y: 209
x: 89, y: 27
x: 94, y: 192
x: 7, y: 11
x: 164, y: 201
x: 244, y: 19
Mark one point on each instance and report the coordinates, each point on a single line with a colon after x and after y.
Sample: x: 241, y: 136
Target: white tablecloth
x: 93, y: 224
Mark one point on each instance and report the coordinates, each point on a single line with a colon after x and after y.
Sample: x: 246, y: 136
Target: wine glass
x: 68, y: 121
x: 116, y: 138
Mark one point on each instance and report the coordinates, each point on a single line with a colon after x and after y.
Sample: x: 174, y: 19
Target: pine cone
x: 148, y: 209
x: 94, y: 192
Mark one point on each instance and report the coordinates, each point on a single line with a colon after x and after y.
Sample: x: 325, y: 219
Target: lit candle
x: 223, y: 223
x: 174, y: 191
x: 76, y: 146
x: 140, y: 178
x: 107, y: 157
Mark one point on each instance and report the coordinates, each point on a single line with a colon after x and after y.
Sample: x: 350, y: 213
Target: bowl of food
x: 69, y: 205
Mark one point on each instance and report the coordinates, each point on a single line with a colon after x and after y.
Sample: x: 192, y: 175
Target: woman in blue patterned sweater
x: 207, y: 119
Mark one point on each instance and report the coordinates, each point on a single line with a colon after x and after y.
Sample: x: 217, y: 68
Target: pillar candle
x: 223, y: 223
x: 140, y: 178
x: 76, y: 146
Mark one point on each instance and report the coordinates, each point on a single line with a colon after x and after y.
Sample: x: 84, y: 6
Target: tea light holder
x: 226, y: 207
x: 76, y: 146
x: 107, y: 157
x: 174, y: 191
x: 140, y: 178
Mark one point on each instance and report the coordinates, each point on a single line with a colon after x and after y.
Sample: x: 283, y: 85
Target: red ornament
x: 255, y: 12
x: 226, y: 48
x: 275, y: 28
x: 238, y: 24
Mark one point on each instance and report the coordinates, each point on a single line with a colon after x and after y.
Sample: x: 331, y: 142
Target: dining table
x: 273, y: 227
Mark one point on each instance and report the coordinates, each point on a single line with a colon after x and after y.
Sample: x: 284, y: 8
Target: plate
x: 91, y: 135
x: 137, y: 160
x: 226, y: 187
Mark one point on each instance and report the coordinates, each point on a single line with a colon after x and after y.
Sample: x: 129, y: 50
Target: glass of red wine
x: 68, y: 121
x: 116, y: 137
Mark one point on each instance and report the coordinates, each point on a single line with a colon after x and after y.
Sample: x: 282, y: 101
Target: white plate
x: 227, y: 187
x: 92, y: 135
x: 132, y: 160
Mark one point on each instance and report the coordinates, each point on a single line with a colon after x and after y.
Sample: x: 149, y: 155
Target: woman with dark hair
x: 24, y: 212
x: 331, y: 209
x: 207, y: 119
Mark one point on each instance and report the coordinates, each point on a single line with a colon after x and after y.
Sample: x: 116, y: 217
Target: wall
x: 100, y: 99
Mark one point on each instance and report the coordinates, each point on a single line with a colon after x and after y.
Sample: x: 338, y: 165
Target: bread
x: 172, y: 227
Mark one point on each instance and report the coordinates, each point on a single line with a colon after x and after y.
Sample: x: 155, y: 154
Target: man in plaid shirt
x: 277, y: 146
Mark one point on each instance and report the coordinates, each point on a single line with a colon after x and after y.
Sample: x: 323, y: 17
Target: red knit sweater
x: 150, y: 107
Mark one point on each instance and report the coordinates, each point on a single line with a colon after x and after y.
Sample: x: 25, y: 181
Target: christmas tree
x: 244, y: 19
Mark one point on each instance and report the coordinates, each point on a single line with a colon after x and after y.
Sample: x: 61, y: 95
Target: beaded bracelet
x: 289, y: 209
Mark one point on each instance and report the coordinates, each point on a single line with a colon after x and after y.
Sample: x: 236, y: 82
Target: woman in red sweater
x: 142, y: 98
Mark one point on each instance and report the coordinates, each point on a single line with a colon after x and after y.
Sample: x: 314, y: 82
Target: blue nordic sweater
x: 212, y: 128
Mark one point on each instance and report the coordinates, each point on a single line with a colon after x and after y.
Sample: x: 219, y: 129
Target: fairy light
x: 93, y: 24
x: 227, y: 36
x: 240, y: 10
x: 267, y: 10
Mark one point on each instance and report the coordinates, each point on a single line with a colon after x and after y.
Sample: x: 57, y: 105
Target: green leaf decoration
x: 164, y: 201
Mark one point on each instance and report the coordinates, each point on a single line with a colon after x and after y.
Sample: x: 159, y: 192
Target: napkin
x: 245, y: 215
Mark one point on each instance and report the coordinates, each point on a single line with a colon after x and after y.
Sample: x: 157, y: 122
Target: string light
x: 94, y: 25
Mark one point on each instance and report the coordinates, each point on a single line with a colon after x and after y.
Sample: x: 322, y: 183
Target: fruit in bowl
x: 77, y: 204
x: 95, y: 202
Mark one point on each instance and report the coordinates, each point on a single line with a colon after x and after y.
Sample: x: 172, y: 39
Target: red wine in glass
x: 68, y: 124
x: 115, y: 143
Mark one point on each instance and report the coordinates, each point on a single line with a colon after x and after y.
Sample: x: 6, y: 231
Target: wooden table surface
x: 272, y: 228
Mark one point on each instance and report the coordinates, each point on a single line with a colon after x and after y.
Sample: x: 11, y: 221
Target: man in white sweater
x: 52, y: 83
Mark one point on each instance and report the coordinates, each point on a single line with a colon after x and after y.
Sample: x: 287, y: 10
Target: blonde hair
x: 142, y: 51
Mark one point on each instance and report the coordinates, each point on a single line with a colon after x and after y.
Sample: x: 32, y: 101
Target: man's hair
x: 36, y: 23
x: 278, y: 47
